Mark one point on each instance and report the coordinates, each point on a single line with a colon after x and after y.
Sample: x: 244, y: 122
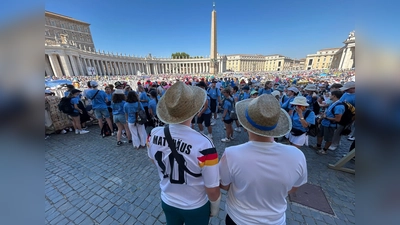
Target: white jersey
x: 178, y: 188
x: 260, y: 175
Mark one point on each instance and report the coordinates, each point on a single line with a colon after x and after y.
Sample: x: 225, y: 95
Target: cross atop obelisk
x: 213, y: 53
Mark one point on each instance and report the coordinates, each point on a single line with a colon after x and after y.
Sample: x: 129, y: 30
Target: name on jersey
x: 180, y: 145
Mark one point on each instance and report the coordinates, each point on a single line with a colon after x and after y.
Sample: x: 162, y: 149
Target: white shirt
x: 261, y: 174
x: 184, y: 192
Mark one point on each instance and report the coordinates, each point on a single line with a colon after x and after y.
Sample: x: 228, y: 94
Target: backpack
x: 348, y: 115
x: 141, y: 117
x: 232, y: 114
x: 105, y: 131
x: 312, y: 128
x: 65, y: 105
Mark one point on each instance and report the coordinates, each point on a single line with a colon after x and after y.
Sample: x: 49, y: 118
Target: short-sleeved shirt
x: 99, y: 101
x: 131, y: 109
x: 260, y: 198
x: 75, y: 100
x: 228, y: 105
x: 296, y: 123
x: 118, y: 108
x: 349, y: 98
x: 200, y: 156
x: 286, y: 105
x: 339, y: 109
x: 246, y: 95
x: 264, y: 91
x: 143, y: 96
x: 153, y: 106
x: 208, y: 110
x: 214, y: 93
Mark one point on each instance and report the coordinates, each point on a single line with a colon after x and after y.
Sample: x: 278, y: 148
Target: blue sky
x: 161, y: 27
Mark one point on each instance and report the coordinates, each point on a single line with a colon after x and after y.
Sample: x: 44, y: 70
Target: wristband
x: 214, y: 206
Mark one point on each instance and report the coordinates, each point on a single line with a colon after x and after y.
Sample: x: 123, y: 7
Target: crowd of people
x: 271, y: 112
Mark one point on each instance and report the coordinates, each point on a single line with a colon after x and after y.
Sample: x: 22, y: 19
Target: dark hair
x: 70, y: 87
x: 236, y: 88
x: 88, y: 84
x: 154, y: 95
x: 337, y: 93
x: 337, y: 86
x: 132, y: 97
x: 266, y: 83
x: 117, y: 98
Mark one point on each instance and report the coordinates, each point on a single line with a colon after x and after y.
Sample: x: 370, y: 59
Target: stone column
x: 47, y: 66
x: 341, y: 64
x: 85, y: 66
x: 79, y: 59
x: 94, y: 66
x: 66, y: 65
x: 74, y: 69
x: 213, y: 52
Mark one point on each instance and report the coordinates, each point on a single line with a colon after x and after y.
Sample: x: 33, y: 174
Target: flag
x: 209, y: 158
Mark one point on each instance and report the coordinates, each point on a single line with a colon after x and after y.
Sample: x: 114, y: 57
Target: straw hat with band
x: 180, y: 103
x: 299, y: 100
x: 263, y: 116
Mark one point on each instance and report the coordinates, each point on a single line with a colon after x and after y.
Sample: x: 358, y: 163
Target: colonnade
x: 64, y: 64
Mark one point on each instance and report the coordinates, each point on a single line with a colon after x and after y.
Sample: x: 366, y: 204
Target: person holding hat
x: 189, y: 190
x: 75, y: 115
x: 260, y: 173
x: 119, y: 118
x: 302, y: 118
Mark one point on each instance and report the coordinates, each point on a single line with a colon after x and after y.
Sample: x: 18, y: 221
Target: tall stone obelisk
x: 213, y: 53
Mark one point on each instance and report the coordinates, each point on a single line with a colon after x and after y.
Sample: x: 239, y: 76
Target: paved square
x: 89, y: 180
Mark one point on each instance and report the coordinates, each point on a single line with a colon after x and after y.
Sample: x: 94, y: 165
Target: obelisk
x: 213, y: 53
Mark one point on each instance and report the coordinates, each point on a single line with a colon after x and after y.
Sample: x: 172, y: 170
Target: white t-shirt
x: 261, y: 174
x: 178, y: 188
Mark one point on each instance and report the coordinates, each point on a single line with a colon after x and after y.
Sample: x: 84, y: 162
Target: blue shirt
x: 153, y: 106
x: 349, y: 98
x: 214, y: 93
x: 228, y: 106
x: 264, y: 91
x: 237, y: 96
x: 66, y: 93
x: 286, y: 105
x: 75, y: 101
x: 99, y: 102
x: 311, y: 101
x: 143, y: 96
x: 338, y: 110
x: 131, y: 109
x: 208, y: 110
x: 118, y: 108
x: 296, y: 120
x: 246, y: 95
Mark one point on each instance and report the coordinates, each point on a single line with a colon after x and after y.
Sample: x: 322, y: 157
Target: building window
x: 318, y: 60
x: 324, y: 59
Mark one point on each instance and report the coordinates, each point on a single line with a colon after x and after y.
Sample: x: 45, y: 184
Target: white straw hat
x: 299, y: 100
x: 180, y: 102
x: 263, y: 116
x: 311, y: 87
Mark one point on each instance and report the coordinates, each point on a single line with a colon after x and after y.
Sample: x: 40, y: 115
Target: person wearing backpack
x: 302, y: 118
x: 349, y: 96
x: 329, y: 122
x: 75, y: 114
x: 138, y: 131
x: 99, y: 103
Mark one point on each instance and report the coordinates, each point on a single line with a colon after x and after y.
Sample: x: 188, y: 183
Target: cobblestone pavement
x: 89, y: 180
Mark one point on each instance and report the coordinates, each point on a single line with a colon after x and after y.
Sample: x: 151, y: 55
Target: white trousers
x: 139, y: 134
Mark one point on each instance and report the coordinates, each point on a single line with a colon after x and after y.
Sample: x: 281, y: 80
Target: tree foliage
x: 180, y: 55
